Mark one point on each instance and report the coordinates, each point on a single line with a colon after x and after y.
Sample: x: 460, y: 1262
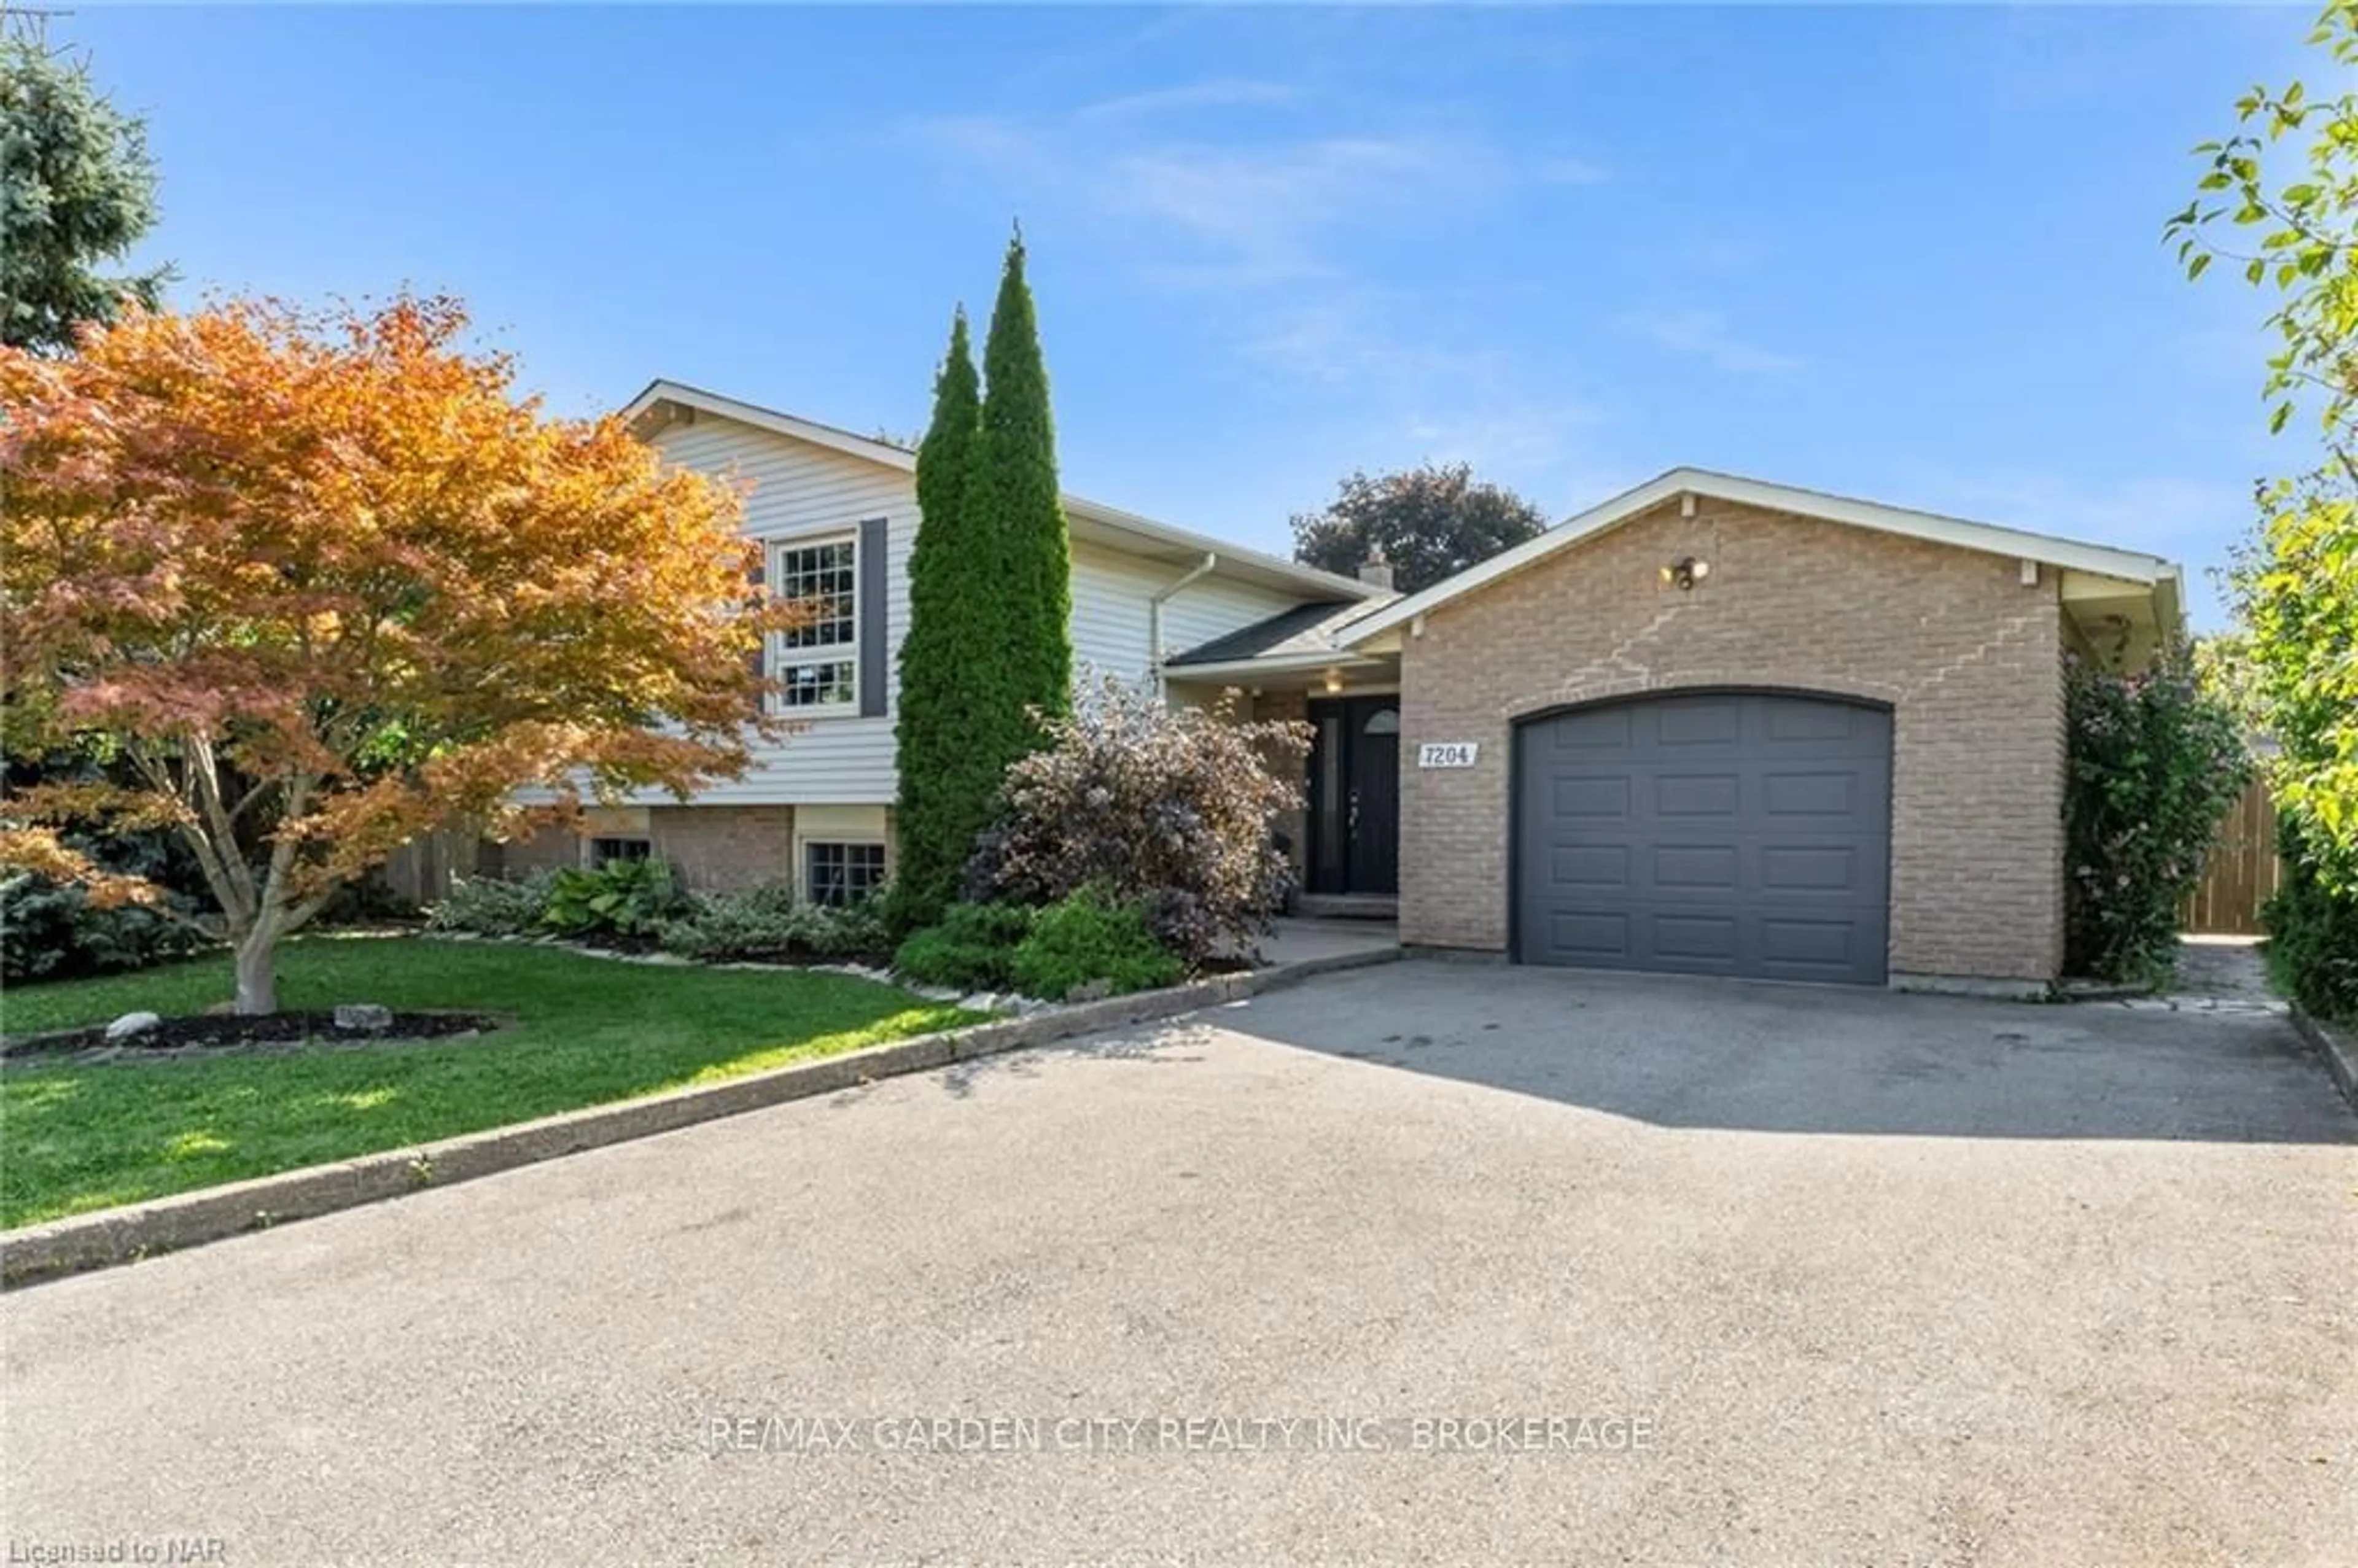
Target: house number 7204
x: 1447, y: 753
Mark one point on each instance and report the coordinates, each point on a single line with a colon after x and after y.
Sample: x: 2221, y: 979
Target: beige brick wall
x: 723, y: 849
x: 544, y: 851
x: 1967, y: 656
x: 1292, y: 706
x: 717, y: 848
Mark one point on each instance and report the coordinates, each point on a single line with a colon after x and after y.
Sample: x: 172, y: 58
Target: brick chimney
x: 1376, y: 572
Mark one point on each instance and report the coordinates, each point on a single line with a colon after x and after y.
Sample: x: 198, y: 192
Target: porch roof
x: 1306, y: 634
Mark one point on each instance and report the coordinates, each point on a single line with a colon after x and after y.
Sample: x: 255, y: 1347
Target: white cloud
x: 1215, y: 93
x: 1259, y: 218
x: 1565, y: 170
x: 1399, y: 402
x: 1278, y: 204
x: 1286, y: 200
x: 1705, y: 335
x: 1342, y: 340
x: 1545, y: 449
x: 1712, y: 253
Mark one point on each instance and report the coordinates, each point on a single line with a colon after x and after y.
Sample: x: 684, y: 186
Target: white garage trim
x: 2128, y: 566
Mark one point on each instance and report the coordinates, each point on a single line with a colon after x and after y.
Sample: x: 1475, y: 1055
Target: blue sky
x: 1905, y: 253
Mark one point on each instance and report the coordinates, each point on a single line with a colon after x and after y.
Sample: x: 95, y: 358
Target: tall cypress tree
x: 990, y: 599
x: 1015, y: 491
x: 952, y: 637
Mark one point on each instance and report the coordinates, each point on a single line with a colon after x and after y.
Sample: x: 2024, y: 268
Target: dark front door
x: 1355, y: 794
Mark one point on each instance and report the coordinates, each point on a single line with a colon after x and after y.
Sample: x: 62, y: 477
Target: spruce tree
x: 80, y: 191
x: 1015, y: 492
x: 952, y: 634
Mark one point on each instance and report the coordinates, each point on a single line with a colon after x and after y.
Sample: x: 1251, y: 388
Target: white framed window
x: 817, y: 663
x: 839, y: 871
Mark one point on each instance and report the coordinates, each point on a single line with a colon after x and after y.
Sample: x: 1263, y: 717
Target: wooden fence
x: 420, y: 870
x: 2242, y: 872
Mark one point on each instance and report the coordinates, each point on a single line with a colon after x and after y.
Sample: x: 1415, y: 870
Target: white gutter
x: 1276, y: 665
x: 2169, y: 592
x: 1293, y: 574
x: 1154, y: 608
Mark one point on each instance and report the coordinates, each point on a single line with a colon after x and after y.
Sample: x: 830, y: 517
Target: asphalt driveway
x: 1540, y: 1268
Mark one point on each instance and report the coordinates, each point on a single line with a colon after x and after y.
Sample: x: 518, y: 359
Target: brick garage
x: 1965, y: 647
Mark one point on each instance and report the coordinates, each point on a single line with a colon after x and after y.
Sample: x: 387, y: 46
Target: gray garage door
x: 1739, y: 833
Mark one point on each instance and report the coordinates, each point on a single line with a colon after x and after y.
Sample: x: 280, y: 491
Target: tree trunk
x: 258, y: 971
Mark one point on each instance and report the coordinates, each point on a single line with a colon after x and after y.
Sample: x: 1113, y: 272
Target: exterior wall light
x: 1685, y: 572
x: 1333, y: 681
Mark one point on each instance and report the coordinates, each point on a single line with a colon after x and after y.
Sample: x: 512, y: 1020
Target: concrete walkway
x: 2228, y: 968
x: 1297, y: 938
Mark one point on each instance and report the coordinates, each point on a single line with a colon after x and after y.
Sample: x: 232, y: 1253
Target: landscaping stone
x: 1090, y: 990
x: 216, y: 1034
x: 132, y: 1024
x: 364, y: 1016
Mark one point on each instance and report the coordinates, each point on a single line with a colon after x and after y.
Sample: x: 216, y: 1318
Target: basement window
x: 604, y: 850
x: 836, y: 874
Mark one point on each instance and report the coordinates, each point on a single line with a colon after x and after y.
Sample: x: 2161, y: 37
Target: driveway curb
x: 2339, y: 1049
x: 125, y: 1235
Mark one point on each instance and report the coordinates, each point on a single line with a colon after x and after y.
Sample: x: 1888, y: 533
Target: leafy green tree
x: 1431, y: 523
x: 77, y: 189
x: 1022, y: 508
x: 2296, y: 584
x: 2222, y: 663
x: 2153, y: 760
x: 947, y: 654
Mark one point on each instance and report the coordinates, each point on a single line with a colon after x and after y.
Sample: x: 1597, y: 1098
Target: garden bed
x: 216, y: 1034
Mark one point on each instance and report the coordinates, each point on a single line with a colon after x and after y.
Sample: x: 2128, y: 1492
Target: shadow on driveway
x: 1685, y: 1052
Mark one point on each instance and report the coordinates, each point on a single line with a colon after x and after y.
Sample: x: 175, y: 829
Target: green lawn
x: 588, y: 1030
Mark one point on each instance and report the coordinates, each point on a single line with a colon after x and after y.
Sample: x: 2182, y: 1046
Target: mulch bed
x: 210, y: 1034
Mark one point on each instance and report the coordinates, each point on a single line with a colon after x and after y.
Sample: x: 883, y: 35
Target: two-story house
x: 836, y: 514
x: 1712, y: 725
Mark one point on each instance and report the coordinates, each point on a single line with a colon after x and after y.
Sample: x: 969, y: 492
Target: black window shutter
x: 873, y: 672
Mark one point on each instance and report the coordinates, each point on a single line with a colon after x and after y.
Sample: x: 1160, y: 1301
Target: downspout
x: 1154, y: 613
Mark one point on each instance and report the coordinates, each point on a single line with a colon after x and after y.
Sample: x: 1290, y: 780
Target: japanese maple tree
x: 315, y: 585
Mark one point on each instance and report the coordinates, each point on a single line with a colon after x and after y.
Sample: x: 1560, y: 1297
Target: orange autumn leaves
x: 316, y: 585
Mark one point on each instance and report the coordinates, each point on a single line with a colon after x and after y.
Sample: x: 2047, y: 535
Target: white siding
x: 1113, y: 613
x: 1213, y: 606
x: 1110, y: 594
x: 799, y: 489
